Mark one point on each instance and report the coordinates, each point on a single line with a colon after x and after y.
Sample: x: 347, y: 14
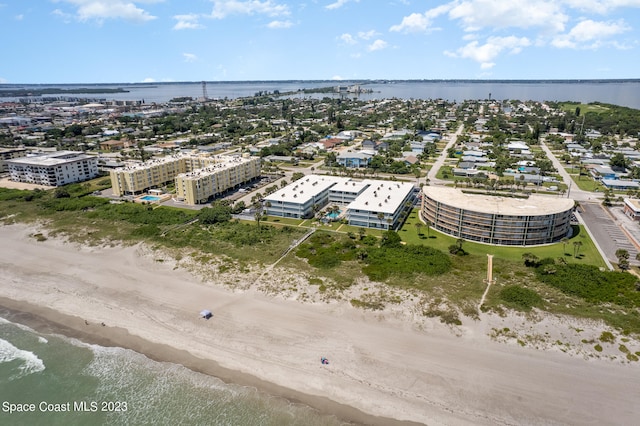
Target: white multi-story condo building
x: 53, y: 169
x: 368, y: 203
x: 381, y: 204
x: 497, y: 219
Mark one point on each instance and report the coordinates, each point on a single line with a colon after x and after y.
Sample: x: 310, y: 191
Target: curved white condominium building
x: 496, y: 219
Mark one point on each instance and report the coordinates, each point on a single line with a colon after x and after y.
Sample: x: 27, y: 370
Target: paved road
x: 443, y: 156
x: 574, y: 192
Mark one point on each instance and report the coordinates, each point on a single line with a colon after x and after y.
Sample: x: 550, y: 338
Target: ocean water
x: 617, y: 92
x: 99, y: 385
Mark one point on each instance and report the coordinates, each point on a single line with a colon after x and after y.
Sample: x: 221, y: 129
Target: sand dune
x: 381, y: 367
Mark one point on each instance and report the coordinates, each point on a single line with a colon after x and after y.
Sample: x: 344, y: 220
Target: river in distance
x: 617, y: 92
x: 98, y: 385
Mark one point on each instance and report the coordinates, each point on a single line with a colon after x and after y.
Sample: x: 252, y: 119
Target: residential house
x: 354, y: 159
x: 620, y: 184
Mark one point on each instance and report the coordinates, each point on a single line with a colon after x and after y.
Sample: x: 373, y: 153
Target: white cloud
x: 189, y: 57
x: 367, y: 35
x: 362, y: 35
x: 589, y: 30
x: 224, y: 8
x: 486, y: 53
x: 600, y: 6
x: 99, y: 10
x: 187, y: 22
x: 19, y: 17
x: 348, y: 38
x: 338, y: 4
x: 149, y: 80
x: 477, y: 14
x: 279, y: 24
x: 337, y: 77
x: 414, y: 23
x: 66, y: 18
x: 377, y: 45
x: 3, y: 80
x: 590, y: 34
x: 421, y: 22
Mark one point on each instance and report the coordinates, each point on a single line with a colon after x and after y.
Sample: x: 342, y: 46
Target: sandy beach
x: 383, y: 368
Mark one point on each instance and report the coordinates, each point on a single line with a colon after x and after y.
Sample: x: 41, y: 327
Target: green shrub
x: 593, y: 285
x: 607, y: 337
x: 404, y: 262
x: 598, y: 348
x: 520, y: 297
x: 74, y: 204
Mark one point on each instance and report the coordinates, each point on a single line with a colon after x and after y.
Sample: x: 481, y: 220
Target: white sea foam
x: 42, y: 339
x: 29, y: 362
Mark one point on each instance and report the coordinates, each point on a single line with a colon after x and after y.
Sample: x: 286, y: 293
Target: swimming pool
x: 150, y: 198
x: 333, y: 215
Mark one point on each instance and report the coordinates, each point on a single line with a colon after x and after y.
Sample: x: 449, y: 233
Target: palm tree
x: 564, y: 242
x: 418, y: 225
x: 427, y: 224
x: 258, y: 216
x: 576, y: 248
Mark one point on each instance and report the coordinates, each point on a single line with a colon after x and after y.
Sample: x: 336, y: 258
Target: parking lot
x: 611, y: 230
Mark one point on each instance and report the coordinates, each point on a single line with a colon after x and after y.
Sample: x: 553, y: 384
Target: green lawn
x: 587, y: 183
x: 584, y: 108
x: 588, y: 254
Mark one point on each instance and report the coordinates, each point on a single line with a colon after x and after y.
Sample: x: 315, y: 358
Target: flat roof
x: 535, y: 205
x: 381, y: 196
x: 349, y: 186
x: 304, y: 189
x: 221, y: 163
x: 633, y: 203
x: 51, y: 158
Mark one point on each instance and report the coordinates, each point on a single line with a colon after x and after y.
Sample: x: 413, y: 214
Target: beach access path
x: 382, y: 367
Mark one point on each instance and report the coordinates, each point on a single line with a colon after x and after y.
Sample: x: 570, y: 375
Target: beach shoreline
x: 384, y: 369
x: 48, y: 321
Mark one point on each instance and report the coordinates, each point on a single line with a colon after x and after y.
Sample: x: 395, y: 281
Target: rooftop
x: 535, y: 205
x: 304, y: 189
x: 381, y: 196
x: 349, y: 186
x: 222, y: 162
x: 51, y: 158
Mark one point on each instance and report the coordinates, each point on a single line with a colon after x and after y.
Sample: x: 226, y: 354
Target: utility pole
x: 204, y: 91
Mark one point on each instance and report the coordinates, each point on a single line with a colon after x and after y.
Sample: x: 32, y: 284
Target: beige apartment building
x: 198, y: 186
x: 10, y: 154
x: 496, y: 219
x: 198, y: 177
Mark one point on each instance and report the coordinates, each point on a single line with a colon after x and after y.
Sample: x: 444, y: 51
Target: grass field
x: 584, y: 108
x: 588, y: 254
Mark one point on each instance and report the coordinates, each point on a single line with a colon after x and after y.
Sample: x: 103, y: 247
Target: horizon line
x: 375, y: 80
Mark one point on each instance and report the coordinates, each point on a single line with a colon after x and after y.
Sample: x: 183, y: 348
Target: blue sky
x: 118, y: 41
